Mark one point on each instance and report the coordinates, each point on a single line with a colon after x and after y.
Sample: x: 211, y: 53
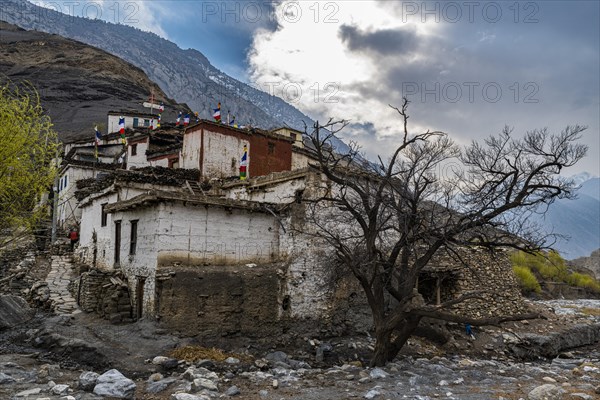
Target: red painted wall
x: 268, y: 153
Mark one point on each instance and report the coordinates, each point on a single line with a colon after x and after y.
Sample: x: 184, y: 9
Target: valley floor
x: 45, y: 358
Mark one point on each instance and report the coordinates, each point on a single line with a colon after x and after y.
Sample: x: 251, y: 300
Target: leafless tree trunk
x: 386, y: 222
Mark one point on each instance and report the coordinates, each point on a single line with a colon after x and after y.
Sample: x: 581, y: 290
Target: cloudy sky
x: 469, y: 68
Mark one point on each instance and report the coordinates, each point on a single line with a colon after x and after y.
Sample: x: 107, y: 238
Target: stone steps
x: 58, y: 279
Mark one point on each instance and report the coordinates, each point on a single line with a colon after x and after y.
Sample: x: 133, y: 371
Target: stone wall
x: 96, y: 292
x: 490, y: 273
x: 215, y: 301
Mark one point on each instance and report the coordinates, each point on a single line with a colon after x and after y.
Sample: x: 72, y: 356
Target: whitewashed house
x: 201, y: 249
x: 164, y: 237
x: 133, y: 120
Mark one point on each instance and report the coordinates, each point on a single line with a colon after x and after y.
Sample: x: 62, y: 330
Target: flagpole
x: 95, y: 150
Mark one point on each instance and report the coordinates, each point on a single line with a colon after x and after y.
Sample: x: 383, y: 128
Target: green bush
x: 584, y: 281
x: 526, y: 279
x: 550, y: 266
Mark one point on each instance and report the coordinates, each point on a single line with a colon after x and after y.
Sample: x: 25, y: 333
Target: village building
x: 234, y: 257
x: 216, y: 150
x: 161, y: 148
x: 189, y: 255
x: 208, y: 253
x: 133, y: 120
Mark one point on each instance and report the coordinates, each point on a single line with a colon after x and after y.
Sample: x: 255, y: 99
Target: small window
x: 293, y: 136
x: 136, y: 122
x: 66, y: 181
x: 134, y: 149
x: 146, y: 123
x: 298, y: 196
x: 104, y: 218
x: 174, y: 163
x: 133, y: 237
x: 271, y: 147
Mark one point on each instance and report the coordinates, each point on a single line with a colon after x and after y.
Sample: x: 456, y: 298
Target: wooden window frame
x: 133, y: 237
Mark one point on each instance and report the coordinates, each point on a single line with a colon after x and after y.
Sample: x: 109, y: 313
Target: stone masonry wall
x: 95, y: 292
x: 215, y: 301
x: 493, y: 274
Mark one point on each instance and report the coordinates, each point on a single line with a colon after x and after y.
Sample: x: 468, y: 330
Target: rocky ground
x: 64, y: 354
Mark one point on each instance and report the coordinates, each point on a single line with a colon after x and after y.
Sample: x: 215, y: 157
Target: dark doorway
x: 139, y: 297
x: 117, y: 242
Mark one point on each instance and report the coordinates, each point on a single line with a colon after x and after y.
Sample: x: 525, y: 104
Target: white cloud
x: 369, y: 51
x: 309, y: 52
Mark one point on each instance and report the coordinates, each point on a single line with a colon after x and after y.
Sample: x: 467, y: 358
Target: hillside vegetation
x: 535, y: 271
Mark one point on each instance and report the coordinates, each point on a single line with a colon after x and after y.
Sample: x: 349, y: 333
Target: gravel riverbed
x: 137, y: 364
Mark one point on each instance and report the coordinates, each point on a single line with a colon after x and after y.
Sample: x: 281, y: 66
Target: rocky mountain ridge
x: 578, y: 220
x: 77, y: 84
x: 186, y: 75
x: 590, y: 263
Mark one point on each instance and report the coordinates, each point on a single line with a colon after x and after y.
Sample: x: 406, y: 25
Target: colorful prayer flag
x: 244, y: 164
x: 161, y: 108
x: 178, y: 119
x: 217, y: 113
x: 98, y: 138
x: 98, y: 135
x: 121, y: 125
x: 122, y: 129
x: 186, y: 120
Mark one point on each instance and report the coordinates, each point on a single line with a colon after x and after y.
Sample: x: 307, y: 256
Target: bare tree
x: 386, y: 222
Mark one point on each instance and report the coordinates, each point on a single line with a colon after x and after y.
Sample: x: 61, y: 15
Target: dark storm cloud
x: 384, y: 41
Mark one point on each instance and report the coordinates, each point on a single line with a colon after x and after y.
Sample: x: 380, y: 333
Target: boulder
x: 29, y: 392
x: 194, y: 373
x: 208, y: 364
x: 60, y: 390
x: 87, y: 380
x: 165, y: 362
x: 277, y: 356
x: 187, y: 396
x: 373, y: 393
x: 232, y: 391
x: 532, y: 346
x: 155, y: 377
x: 546, y: 392
x: 159, y: 386
x: 14, y: 310
x: 6, y: 378
x: 378, y: 373
x: 203, y: 383
x: 112, y: 383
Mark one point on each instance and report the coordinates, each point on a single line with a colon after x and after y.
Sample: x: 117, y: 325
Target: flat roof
x: 156, y: 196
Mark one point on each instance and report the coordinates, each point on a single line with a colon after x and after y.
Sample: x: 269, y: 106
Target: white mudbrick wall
x: 139, y: 159
x: 198, y: 234
x: 141, y: 264
x: 222, y: 155
x: 68, y: 212
x: 190, y: 154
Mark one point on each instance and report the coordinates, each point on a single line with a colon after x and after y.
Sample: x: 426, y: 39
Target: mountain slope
x: 590, y: 263
x: 591, y: 188
x: 185, y: 75
x: 78, y: 84
x: 579, y: 219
